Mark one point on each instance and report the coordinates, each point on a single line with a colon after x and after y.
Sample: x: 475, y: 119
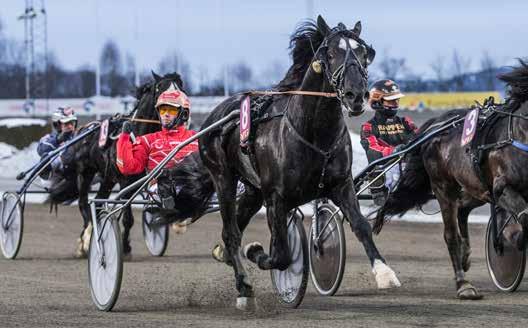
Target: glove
x: 127, y: 127
x: 63, y: 136
x: 398, y: 148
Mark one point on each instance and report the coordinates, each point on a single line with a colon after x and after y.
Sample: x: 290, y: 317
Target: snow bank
x: 6, y: 150
x: 13, y: 161
x: 15, y: 122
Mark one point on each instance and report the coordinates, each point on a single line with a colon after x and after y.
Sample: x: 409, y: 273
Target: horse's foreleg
x: 513, y: 202
x: 344, y: 196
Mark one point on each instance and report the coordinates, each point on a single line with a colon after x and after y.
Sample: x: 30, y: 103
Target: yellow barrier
x: 445, y: 100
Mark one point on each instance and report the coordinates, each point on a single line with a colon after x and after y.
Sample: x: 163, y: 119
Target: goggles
x: 171, y: 110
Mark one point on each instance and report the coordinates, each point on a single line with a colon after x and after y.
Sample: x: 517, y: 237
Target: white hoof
x: 246, y: 303
x: 218, y: 253
x: 79, y: 251
x: 179, y: 228
x: 249, y: 246
x: 87, y: 234
x: 385, y: 277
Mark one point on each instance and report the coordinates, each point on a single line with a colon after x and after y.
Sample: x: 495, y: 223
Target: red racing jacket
x: 381, y: 134
x: 150, y: 149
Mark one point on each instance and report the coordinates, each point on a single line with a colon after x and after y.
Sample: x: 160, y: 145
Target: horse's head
x: 147, y: 95
x: 344, y: 57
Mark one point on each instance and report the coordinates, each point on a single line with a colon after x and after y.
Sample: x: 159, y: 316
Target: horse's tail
x: 196, y: 186
x: 413, y: 190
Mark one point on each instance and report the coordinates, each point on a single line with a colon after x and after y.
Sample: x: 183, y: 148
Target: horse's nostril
x: 367, y: 95
x: 349, y: 94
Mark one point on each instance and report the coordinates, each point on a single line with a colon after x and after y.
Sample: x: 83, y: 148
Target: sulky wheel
x: 105, y: 263
x: 505, y: 261
x: 12, y: 225
x: 327, y: 250
x: 156, y: 236
x: 290, y: 284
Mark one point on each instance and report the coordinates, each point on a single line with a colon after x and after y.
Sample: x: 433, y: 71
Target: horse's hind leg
x: 128, y: 222
x: 225, y: 185
x: 247, y: 205
x: 280, y: 252
x: 466, y: 205
x: 453, y: 240
x: 84, y: 180
x: 344, y: 196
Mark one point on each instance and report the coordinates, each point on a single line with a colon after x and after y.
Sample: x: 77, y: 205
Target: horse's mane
x: 517, y: 81
x: 303, y: 43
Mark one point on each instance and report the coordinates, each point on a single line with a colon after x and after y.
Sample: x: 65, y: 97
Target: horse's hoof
x: 218, y: 253
x: 468, y: 292
x: 385, y: 276
x: 86, y: 236
x: 179, y: 228
x: 246, y: 304
x: 79, y: 251
x: 252, y: 248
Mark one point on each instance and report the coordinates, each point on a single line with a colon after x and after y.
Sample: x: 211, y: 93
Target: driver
x: 64, y: 123
x: 150, y: 149
x: 386, y: 132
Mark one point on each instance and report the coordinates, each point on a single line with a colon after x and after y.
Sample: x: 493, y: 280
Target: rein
x: 142, y: 120
x: 294, y: 92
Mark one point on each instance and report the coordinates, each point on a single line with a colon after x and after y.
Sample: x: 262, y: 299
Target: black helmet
x: 384, y: 90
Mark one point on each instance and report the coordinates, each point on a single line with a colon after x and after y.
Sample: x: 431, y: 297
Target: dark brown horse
x: 447, y: 169
x: 303, y: 153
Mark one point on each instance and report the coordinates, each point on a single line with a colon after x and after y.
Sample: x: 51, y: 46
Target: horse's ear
x: 156, y: 77
x: 371, y: 53
x: 357, y: 28
x: 323, y: 27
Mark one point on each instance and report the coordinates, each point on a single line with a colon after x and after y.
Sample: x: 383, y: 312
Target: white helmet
x: 63, y: 115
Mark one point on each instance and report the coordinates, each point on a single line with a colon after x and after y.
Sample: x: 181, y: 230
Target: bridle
x: 337, y: 78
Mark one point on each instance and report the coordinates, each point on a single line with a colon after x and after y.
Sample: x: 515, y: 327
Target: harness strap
x: 326, y: 154
x: 520, y: 145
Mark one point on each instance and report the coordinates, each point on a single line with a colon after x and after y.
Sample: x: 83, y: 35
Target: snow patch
x: 16, y: 122
x: 16, y: 161
x: 6, y: 150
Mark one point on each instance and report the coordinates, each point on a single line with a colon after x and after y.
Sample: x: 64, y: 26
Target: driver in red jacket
x: 150, y: 149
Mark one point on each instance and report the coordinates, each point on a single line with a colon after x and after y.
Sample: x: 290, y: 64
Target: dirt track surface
x: 46, y: 287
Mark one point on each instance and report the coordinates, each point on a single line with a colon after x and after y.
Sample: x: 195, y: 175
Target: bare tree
x: 112, y: 81
x: 175, y: 62
x: 391, y: 67
x: 459, y: 68
x: 241, y: 74
x: 439, y: 68
x: 273, y: 73
x: 488, y: 67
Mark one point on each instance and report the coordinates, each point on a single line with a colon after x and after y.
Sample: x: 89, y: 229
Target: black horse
x: 446, y: 168
x: 301, y: 153
x: 87, y: 158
